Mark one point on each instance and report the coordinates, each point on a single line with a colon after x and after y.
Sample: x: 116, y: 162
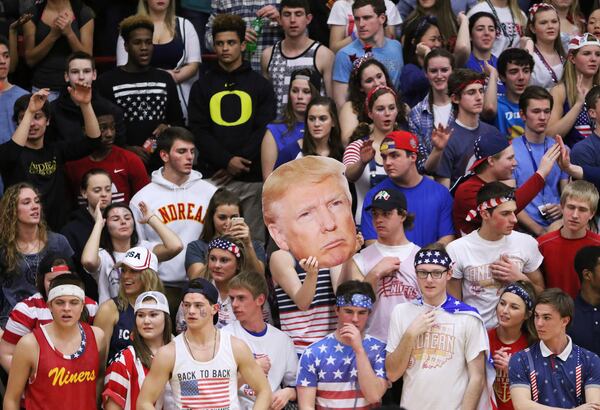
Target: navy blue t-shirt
x: 585, y: 327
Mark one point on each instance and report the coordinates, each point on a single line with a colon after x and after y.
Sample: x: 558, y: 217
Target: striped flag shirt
x: 124, y: 378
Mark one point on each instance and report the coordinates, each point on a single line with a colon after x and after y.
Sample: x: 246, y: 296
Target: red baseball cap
x: 400, y: 140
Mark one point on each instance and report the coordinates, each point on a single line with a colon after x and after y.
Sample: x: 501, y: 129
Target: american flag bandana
x: 490, y: 203
x: 226, y: 245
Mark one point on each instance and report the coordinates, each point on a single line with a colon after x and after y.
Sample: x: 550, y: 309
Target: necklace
x: 187, y: 344
x: 547, y: 65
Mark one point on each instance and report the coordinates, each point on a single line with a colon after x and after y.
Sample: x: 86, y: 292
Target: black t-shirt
x: 44, y: 169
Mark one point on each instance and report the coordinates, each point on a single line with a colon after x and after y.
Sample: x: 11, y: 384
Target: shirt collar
x: 564, y: 355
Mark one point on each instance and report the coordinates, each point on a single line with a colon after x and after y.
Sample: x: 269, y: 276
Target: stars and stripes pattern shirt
x: 330, y: 366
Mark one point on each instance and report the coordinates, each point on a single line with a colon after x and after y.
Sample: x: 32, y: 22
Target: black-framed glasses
x: 435, y: 274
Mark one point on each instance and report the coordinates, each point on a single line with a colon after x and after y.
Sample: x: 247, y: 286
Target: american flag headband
x: 226, y: 245
x: 357, y: 300
x: 520, y: 292
x: 358, y: 61
x: 490, y: 203
x: 435, y: 257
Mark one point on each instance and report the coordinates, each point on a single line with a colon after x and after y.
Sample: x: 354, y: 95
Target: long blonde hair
x: 150, y: 281
x: 170, y: 18
x: 8, y: 234
x: 516, y: 11
x: 569, y: 79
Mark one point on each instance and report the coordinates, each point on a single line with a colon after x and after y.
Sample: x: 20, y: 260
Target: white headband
x: 66, y: 290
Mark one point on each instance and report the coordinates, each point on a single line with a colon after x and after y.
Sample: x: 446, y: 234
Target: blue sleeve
x: 592, y: 371
x: 259, y: 249
x: 307, y: 370
x: 518, y: 370
x: 366, y: 222
x: 342, y: 67
x: 288, y: 153
x: 582, y: 155
x: 378, y: 361
x: 412, y: 79
x: 444, y: 169
x: 405, y: 7
x: 592, y: 174
x: 195, y: 253
x: 446, y: 227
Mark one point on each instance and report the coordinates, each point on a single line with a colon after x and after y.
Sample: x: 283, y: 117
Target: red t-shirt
x: 559, y: 255
x: 126, y: 170
x: 501, y: 383
x: 465, y: 199
x: 61, y: 383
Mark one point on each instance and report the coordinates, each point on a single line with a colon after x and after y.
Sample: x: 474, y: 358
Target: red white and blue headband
x: 435, y: 257
x: 539, y: 7
x: 358, y: 300
x: 221, y: 243
x: 490, y: 203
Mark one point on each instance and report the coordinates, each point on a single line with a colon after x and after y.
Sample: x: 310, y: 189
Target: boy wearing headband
x: 202, y: 363
x: 555, y: 372
x: 466, y: 90
x: 493, y: 256
x: 345, y: 369
x: 437, y: 343
x: 58, y: 364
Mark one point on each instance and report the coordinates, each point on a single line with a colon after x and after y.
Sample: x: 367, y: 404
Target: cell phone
x: 237, y: 220
x: 542, y: 209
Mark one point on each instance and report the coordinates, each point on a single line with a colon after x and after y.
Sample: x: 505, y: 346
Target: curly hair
x: 356, y: 96
x: 10, y: 225
x: 229, y: 22
x: 131, y: 23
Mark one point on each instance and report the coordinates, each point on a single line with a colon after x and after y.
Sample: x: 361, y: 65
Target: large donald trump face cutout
x: 308, y: 211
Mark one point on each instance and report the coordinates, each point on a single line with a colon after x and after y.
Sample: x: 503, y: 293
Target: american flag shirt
x: 330, y: 366
x: 582, y: 128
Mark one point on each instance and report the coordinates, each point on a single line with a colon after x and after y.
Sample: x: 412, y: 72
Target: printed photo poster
x: 307, y: 208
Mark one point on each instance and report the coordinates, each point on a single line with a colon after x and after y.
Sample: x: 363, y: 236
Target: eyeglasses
x: 435, y: 274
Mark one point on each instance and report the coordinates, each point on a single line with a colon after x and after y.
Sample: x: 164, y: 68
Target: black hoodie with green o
x: 229, y: 112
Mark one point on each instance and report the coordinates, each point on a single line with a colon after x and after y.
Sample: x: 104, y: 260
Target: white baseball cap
x: 160, y: 301
x: 139, y: 258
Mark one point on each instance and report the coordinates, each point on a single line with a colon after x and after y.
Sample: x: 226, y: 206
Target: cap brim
x: 477, y: 163
x: 384, y: 206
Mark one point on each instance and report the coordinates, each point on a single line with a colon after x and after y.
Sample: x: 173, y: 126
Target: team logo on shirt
x: 480, y: 277
x: 216, y: 107
x: 43, y: 168
x: 181, y: 212
x: 435, y: 347
x: 63, y: 376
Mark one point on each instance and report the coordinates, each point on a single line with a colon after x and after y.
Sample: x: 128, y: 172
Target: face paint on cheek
x: 203, y: 312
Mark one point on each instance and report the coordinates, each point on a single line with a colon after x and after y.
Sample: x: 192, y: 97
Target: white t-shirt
x: 472, y: 256
x: 108, y: 276
x: 341, y: 15
x: 279, y: 348
x: 441, y: 113
x: 437, y: 377
x: 509, y: 23
x: 391, y: 290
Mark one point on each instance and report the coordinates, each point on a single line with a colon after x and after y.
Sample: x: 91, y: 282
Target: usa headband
x: 520, y: 292
x: 357, y: 300
x: 490, y: 203
x: 435, y: 257
x: 220, y: 243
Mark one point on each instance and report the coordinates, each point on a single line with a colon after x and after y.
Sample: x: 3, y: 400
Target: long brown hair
x: 531, y: 23
x: 355, y: 95
x: 334, y: 142
x: 8, y: 234
x: 442, y: 11
x: 142, y: 351
x: 362, y: 129
x: 150, y: 281
x: 289, y: 117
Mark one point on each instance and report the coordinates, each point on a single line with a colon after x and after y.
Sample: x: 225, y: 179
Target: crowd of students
x: 456, y: 142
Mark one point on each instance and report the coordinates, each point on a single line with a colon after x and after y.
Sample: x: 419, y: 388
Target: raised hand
x: 98, y: 217
x: 310, y: 265
x: 421, y: 324
x: 81, y: 92
x: 367, y: 152
x: 548, y: 160
x: 146, y: 212
x: 37, y: 100
x: 440, y: 136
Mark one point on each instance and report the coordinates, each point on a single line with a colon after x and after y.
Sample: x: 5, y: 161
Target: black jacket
x: 229, y: 112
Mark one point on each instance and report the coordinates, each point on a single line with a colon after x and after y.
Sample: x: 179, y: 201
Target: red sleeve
x: 465, y: 199
x: 526, y: 192
x: 138, y: 177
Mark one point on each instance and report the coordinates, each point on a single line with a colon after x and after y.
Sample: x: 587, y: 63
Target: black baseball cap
x: 388, y: 199
x: 203, y: 287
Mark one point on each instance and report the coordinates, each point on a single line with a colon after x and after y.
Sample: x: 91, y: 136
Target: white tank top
x: 210, y: 385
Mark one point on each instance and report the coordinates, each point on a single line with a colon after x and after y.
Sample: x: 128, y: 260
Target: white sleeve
x: 337, y: 15
x: 291, y: 366
x: 106, y: 264
x: 457, y: 272
x: 192, y: 43
x: 395, y: 331
x: 535, y: 258
x: 476, y: 340
x: 392, y: 13
x: 122, y: 55
x: 137, y: 215
x: 359, y: 261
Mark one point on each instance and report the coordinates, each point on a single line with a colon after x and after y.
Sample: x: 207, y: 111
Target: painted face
x: 319, y: 122
x: 150, y: 323
x: 384, y: 112
x: 66, y: 310
x: 438, y: 71
x: 501, y: 219
x: 197, y: 310
x: 222, y: 265
x: 80, y: 70
x: 228, y: 48
x: 315, y: 219
x: 131, y: 281
x: 548, y: 322
x: 537, y: 115
x: 29, y: 207
x: 587, y: 60
x: 222, y: 217
x: 372, y: 76
x: 107, y: 130
x: 369, y: 24
x: 300, y: 95
x: 511, y: 310
x: 387, y: 223
x: 471, y: 98
x: 244, y: 305
x: 576, y: 214
x: 483, y: 34
x: 397, y: 162
x: 432, y: 288
x: 119, y: 222
x: 181, y: 157
x: 139, y: 46
x: 547, y: 25
x: 357, y: 316
x: 432, y: 38
x: 99, y: 190
x: 593, y: 24
x: 294, y: 21
x: 517, y: 78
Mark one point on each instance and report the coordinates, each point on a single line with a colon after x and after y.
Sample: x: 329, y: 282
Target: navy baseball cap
x: 203, y: 287
x: 486, y: 146
x: 388, y: 199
